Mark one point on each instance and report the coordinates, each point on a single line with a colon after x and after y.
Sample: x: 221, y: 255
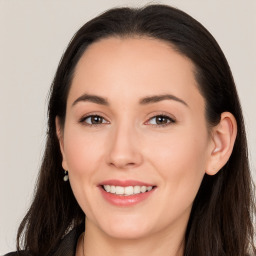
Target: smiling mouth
x: 128, y: 190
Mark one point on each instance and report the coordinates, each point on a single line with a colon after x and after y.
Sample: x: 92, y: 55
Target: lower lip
x: 119, y: 200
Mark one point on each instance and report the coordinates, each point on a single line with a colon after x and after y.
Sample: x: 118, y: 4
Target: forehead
x: 136, y: 66
x: 132, y: 53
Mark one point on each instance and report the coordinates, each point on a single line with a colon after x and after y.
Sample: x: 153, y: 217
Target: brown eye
x: 94, y: 120
x: 161, y: 120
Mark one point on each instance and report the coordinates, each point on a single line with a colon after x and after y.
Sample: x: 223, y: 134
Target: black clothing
x: 67, y: 246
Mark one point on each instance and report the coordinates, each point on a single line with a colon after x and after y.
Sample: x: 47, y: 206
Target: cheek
x: 83, y: 151
x: 83, y: 156
x: 182, y: 149
x: 181, y: 161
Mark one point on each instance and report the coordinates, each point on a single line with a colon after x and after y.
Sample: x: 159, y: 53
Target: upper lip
x: 125, y: 183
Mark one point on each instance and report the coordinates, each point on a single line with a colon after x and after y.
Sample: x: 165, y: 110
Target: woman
x: 146, y: 151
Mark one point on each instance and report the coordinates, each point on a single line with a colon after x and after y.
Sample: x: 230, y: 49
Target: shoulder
x: 66, y: 247
x: 22, y: 253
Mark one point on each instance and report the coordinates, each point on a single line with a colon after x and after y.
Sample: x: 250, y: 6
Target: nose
x: 124, y: 148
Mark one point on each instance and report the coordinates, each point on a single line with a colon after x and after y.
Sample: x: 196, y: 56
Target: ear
x: 59, y: 133
x: 223, y: 138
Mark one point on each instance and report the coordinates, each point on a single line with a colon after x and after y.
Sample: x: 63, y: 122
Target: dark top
x: 67, y: 246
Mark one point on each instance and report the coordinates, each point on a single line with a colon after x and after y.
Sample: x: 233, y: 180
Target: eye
x: 160, y: 120
x: 93, y: 120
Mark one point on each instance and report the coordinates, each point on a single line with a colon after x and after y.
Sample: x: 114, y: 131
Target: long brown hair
x: 221, y: 221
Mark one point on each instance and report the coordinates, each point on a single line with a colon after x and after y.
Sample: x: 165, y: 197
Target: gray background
x: 33, y: 36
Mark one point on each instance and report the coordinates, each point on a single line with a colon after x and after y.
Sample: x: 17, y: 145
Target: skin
x: 174, y: 155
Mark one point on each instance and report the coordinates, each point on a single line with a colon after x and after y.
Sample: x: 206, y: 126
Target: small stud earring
x: 65, y: 178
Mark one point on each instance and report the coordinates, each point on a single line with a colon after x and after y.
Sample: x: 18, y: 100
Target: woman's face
x: 135, y: 121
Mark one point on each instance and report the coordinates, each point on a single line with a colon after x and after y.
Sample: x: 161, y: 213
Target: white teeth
x: 143, y: 189
x: 127, y: 191
x: 149, y: 188
x: 136, y: 190
x: 112, y: 189
x: 119, y: 190
x: 107, y: 188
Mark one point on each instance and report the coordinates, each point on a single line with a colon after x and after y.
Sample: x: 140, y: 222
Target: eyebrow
x: 91, y: 98
x: 144, y: 101
x: 158, y: 98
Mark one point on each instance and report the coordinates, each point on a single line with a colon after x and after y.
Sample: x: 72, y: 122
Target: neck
x: 98, y: 243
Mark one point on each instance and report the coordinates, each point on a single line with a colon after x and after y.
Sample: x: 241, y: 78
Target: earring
x: 65, y: 178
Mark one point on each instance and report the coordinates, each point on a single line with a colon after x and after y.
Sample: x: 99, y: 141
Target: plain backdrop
x: 34, y: 35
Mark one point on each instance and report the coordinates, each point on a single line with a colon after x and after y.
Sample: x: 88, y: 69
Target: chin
x: 128, y: 233
x: 126, y: 228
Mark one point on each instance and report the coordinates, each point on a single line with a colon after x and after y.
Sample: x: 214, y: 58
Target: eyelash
x: 169, y: 119
x: 83, y: 120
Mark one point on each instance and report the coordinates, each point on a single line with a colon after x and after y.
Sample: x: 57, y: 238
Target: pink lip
x: 120, y: 200
x: 125, y: 183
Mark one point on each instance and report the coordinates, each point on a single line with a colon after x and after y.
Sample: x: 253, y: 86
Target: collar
x: 67, y: 246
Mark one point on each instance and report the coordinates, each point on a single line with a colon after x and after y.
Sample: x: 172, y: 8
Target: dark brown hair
x: 222, y: 214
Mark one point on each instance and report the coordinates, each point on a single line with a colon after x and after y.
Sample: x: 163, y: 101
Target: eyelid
x: 163, y: 114
x: 91, y: 114
x: 171, y: 118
